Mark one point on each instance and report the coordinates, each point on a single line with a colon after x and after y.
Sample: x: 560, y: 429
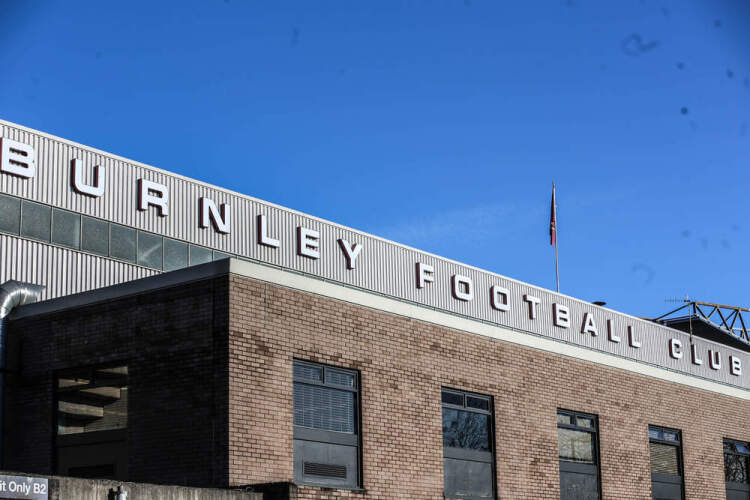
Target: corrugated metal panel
x: 62, y: 271
x: 382, y: 267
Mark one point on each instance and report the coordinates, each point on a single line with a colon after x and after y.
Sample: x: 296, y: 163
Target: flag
x: 553, y: 219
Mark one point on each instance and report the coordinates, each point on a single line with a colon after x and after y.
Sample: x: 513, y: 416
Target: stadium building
x: 157, y: 329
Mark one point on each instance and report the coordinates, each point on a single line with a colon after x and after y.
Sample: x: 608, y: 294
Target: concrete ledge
x: 70, y: 488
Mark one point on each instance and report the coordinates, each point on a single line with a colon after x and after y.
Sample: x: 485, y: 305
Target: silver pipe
x: 12, y: 294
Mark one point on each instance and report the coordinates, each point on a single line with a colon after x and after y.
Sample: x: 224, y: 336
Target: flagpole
x: 557, y: 269
x: 554, y: 211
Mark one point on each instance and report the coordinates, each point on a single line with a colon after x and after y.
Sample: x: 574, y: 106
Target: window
x: 10, y: 214
x: 175, y: 254
x: 665, y: 446
x: 220, y: 255
x: 122, y: 243
x: 736, y: 457
x: 578, y: 450
x: 92, y: 420
x: 79, y: 232
x: 35, y: 220
x: 149, y: 250
x: 94, y: 236
x: 326, y: 425
x: 66, y: 228
x: 468, y: 455
x: 199, y: 255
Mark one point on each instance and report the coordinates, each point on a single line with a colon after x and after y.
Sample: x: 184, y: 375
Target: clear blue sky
x: 440, y: 125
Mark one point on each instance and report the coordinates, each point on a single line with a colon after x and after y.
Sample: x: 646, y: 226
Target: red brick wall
x: 175, y: 345
x: 404, y: 363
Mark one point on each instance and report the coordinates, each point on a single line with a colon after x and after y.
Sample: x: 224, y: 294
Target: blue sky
x: 440, y: 125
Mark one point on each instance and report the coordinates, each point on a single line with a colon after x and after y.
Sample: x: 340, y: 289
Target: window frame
x: 92, y: 437
x: 303, y: 433
x: 13, y: 199
x: 466, y: 454
x: 667, y: 478
x: 734, y: 485
x: 571, y: 466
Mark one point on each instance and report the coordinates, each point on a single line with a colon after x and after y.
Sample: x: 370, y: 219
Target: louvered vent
x: 325, y: 470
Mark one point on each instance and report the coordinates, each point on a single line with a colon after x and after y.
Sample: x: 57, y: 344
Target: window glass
x: 735, y: 468
x: 122, y: 243
x: 94, y: 236
x: 199, y: 255
x: 10, y: 214
x: 220, y: 255
x: 584, y: 422
x: 453, y: 398
x: 149, y: 250
x: 35, y: 220
x: 736, y: 461
x: 463, y: 429
x: 576, y: 446
x: 478, y: 403
x: 308, y: 372
x: 175, y: 254
x: 563, y: 419
x: 320, y: 407
x: 671, y: 436
x: 664, y: 459
x: 66, y: 228
x: 337, y: 377
x: 91, y: 400
x: 655, y: 433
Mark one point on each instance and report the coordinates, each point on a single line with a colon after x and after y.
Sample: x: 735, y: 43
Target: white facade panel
x: 382, y: 267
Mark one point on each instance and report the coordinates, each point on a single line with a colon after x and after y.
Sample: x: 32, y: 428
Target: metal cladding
x: 197, y: 213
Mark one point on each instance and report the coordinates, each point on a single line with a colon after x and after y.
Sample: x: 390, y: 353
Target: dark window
x: 326, y: 425
x: 10, y: 214
x: 35, y: 220
x: 122, y: 243
x: 199, y: 255
x: 175, y: 254
x: 578, y: 451
x: 66, y: 228
x: 468, y: 458
x: 92, y: 420
x: 736, y: 457
x: 149, y: 250
x: 665, y: 446
x: 92, y: 399
x: 94, y: 236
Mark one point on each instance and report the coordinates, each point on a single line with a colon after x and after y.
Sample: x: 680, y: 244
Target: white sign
x: 24, y: 487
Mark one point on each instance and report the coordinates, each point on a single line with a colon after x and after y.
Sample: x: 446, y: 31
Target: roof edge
x: 128, y: 288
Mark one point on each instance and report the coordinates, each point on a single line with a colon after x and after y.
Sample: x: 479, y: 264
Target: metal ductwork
x: 12, y: 294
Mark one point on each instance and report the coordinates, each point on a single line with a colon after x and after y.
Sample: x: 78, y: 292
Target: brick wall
x: 404, y: 363
x: 211, y: 394
x: 175, y: 345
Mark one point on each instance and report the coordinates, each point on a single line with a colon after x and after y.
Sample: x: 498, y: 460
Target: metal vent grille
x: 325, y: 470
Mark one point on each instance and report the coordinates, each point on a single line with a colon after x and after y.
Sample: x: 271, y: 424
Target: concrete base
x: 70, y: 488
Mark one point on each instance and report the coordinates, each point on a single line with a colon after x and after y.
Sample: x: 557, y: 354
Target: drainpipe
x: 12, y: 294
